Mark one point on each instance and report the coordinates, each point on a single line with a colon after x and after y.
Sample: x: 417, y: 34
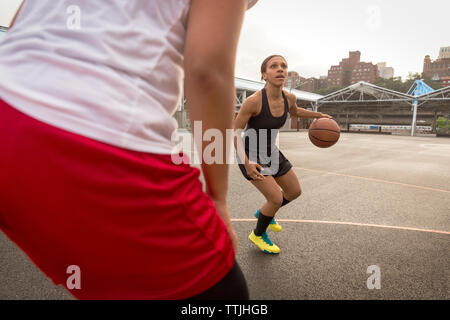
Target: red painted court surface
x: 370, y: 200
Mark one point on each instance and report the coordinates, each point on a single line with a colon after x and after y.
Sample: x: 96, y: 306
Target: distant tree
x: 441, y: 123
x: 398, y: 85
x: 410, y: 80
x: 436, y: 85
x: 413, y: 76
x: 395, y: 83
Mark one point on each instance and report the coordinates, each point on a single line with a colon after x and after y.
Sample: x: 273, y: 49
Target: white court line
x: 374, y: 179
x: 350, y: 224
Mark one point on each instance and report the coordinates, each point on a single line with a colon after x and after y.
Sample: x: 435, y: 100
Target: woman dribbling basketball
x: 263, y: 164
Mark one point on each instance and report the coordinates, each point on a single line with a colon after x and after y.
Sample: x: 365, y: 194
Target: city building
x: 445, y: 81
x: 293, y: 80
x: 309, y: 85
x: 335, y: 76
x: 439, y: 68
x: 351, y: 70
x: 296, y: 81
x: 444, y: 53
x: 323, y: 82
x: 364, y: 71
x: 385, y: 72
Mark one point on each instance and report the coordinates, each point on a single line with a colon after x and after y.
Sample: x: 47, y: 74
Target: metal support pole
x: 433, y: 128
x: 413, y: 125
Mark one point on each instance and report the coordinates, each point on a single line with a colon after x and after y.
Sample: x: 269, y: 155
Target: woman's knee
x: 276, y: 199
x: 293, y: 194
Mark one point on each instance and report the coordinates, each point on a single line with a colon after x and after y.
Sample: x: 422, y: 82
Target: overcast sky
x: 313, y: 35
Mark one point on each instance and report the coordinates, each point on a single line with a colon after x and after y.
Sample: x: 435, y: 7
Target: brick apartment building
x: 364, y: 71
x: 445, y: 81
x: 323, y: 82
x: 444, y: 53
x: 349, y: 71
x: 300, y: 83
x: 305, y: 84
x: 439, y: 69
x: 310, y: 85
x: 293, y: 80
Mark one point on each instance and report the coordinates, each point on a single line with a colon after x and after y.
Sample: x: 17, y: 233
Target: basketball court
x: 370, y: 200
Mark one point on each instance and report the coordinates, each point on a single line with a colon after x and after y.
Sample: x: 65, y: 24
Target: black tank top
x: 262, y: 130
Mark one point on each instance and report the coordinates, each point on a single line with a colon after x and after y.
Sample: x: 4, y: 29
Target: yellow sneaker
x: 264, y: 243
x: 274, y: 226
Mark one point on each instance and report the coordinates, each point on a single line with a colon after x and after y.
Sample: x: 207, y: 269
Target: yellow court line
x: 377, y: 180
x: 349, y: 223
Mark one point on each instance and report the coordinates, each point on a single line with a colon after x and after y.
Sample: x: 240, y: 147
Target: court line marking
x: 377, y: 180
x: 350, y: 224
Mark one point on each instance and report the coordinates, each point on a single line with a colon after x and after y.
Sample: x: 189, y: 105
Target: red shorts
x: 136, y: 225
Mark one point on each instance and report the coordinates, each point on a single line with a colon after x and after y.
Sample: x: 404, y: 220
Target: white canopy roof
x: 251, y: 85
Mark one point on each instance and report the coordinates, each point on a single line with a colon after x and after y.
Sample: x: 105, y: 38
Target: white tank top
x: 111, y: 71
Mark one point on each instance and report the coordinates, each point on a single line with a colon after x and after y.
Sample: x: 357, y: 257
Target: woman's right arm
x: 248, y: 109
x: 209, y: 61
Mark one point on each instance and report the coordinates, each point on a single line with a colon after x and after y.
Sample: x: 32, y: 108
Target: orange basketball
x: 324, y: 132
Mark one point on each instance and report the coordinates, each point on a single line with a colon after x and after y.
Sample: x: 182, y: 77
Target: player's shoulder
x: 290, y: 96
x: 256, y: 97
x: 254, y: 101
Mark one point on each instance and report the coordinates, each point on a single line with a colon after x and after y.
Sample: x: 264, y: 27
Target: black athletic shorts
x: 283, y: 168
